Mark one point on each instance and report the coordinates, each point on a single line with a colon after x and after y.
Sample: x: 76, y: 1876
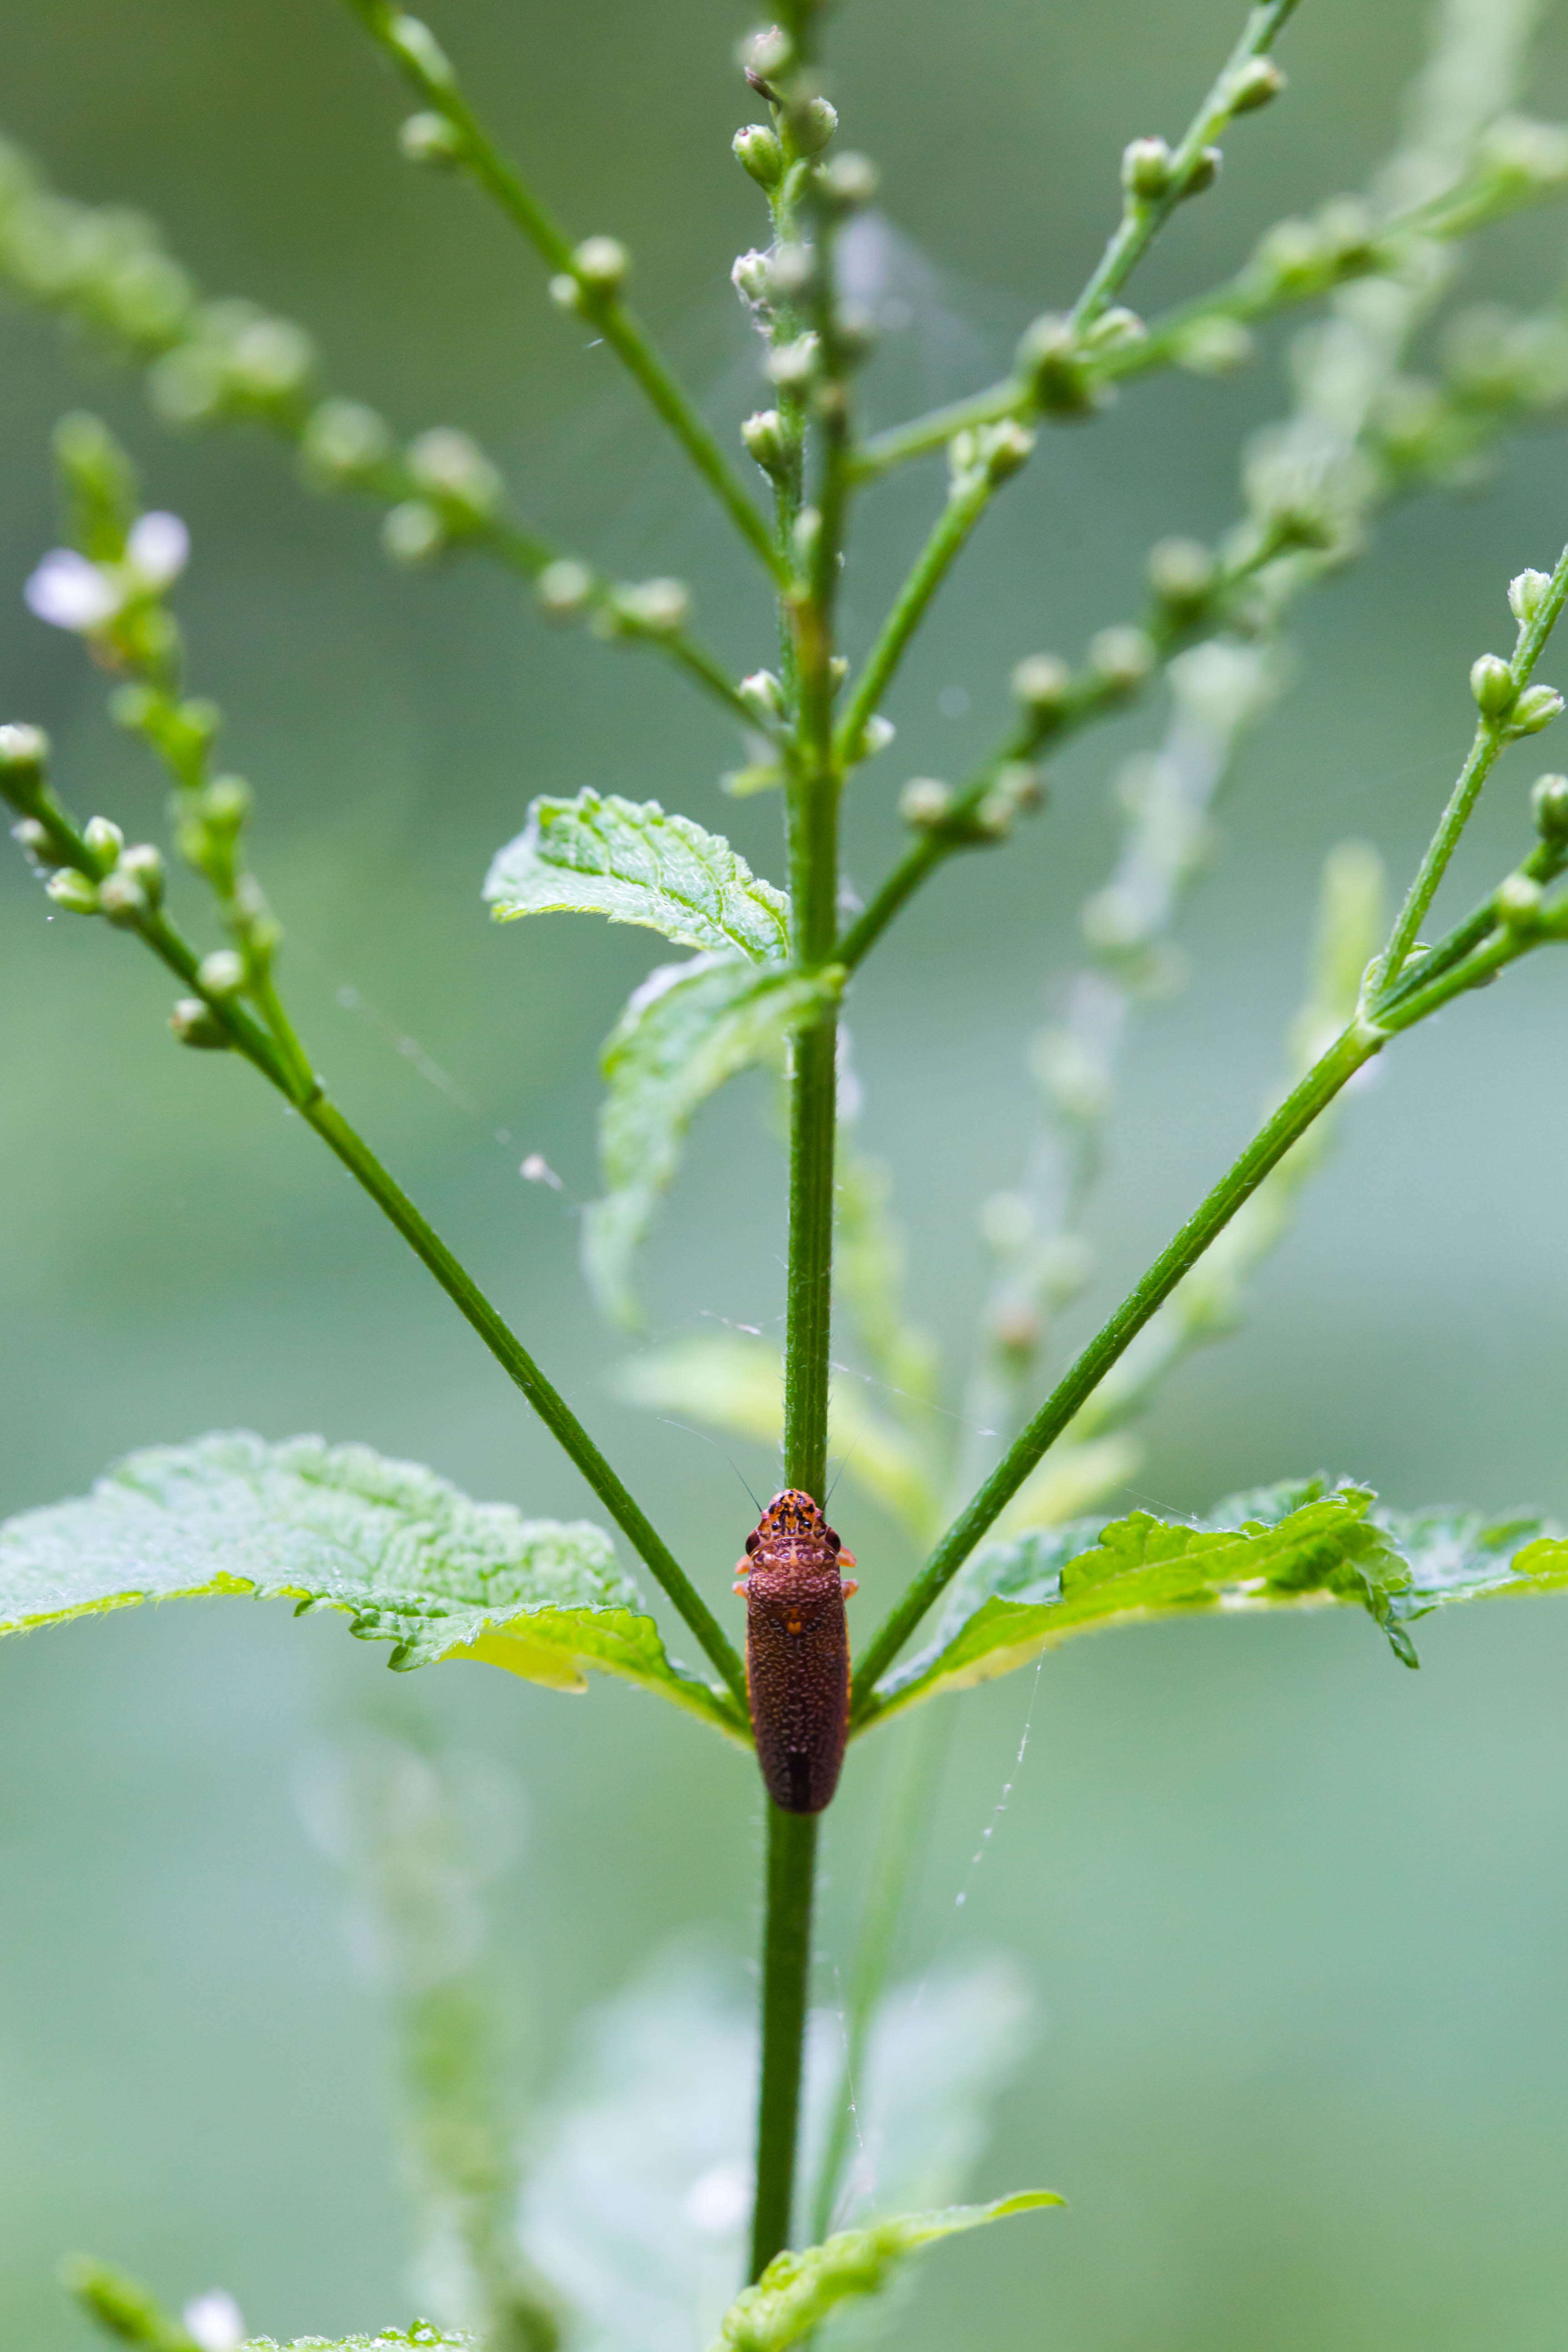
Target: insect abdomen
x: 798, y: 1675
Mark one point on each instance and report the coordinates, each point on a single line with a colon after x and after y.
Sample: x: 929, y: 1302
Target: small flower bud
x: 565, y: 292
x: 847, y: 182
x: 32, y: 836
x: 1115, y: 330
x: 753, y: 279
x: 1181, y: 575
x: 1000, y: 450
x: 564, y: 588
x: 601, y: 264
x: 221, y: 973
x: 763, y: 693
x: 1491, y: 683
x: 417, y: 46
x: 925, y: 803
x: 414, y: 532
x: 196, y: 1023
x: 758, y: 151
x: 1042, y: 683
x: 1121, y: 659
x: 1254, y: 86
x: 1146, y: 169
x: 1020, y: 783
x: 1204, y: 172
x: 875, y: 736
x: 23, y: 750
x: 1537, y: 707
x: 993, y: 817
x: 345, y: 441
x: 793, y: 365
x: 811, y: 126
x: 143, y: 865
x: 805, y: 532
x: 1525, y: 592
x: 74, y: 890
x: 1214, y: 347
x: 792, y: 267
x: 122, y: 898
x: 432, y: 138
x: 226, y: 804
x: 1050, y: 361
x: 270, y: 361
x: 103, y: 838
x: 654, y: 608
x: 1516, y: 902
x: 1549, y: 807
x: 448, y: 467
x: 767, y: 441
x: 767, y: 53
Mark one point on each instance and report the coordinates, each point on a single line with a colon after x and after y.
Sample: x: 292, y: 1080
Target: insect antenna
x: 687, y: 1430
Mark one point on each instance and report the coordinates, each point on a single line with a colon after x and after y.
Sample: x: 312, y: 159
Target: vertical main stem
x: 786, y: 1964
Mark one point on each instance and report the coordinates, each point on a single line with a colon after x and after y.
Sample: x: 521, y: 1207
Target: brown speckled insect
x: 798, y: 1650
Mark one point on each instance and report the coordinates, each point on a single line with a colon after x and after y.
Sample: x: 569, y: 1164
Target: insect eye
x: 834, y: 1538
x: 752, y: 1542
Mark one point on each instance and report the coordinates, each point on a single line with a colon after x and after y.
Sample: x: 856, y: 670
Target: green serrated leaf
x: 797, y: 2291
x: 736, y: 1383
x: 599, y: 854
x: 686, y: 1031
x: 1302, y: 1541
x: 409, y: 1558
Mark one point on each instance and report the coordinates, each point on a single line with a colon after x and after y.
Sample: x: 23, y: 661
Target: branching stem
x: 423, y: 66
x: 1357, y: 1044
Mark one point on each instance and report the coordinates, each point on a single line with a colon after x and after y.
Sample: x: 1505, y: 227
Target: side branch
x: 587, y: 277
x: 62, y: 844
x: 1357, y: 1046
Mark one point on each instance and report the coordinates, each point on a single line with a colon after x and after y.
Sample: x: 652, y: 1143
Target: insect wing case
x: 798, y: 1653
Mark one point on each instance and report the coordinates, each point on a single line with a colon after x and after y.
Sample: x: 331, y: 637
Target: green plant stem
x: 1545, y: 862
x: 503, y: 184
x: 1355, y: 1046
x: 964, y: 506
x: 1491, y: 735
x: 1142, y: 220
x: 521, y: 1369
x: 787, y: 1965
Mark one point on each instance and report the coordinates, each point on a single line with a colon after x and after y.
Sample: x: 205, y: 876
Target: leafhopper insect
x: 798, y: 1650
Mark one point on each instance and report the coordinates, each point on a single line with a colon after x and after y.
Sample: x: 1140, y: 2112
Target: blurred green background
x: 1295, y: 1917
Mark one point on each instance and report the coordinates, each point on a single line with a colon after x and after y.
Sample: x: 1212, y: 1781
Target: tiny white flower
x: 158, y: 549
x: 213, y: 2321
x: 69, y: 593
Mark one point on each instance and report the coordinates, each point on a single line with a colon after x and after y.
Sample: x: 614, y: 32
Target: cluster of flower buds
x: 1503, y: 705
x: 985, y: 456
x: 1517, y: 161
x: 97, y: 874
x: 980, y: 816
x: 1185, y: 580
x: 1298, y: 258
x: 344, y: 444
x: 600, y: 268
x: 457, y: 492
x: 1150, y: 173
x: 234, y: 361
x: 104, y: 266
